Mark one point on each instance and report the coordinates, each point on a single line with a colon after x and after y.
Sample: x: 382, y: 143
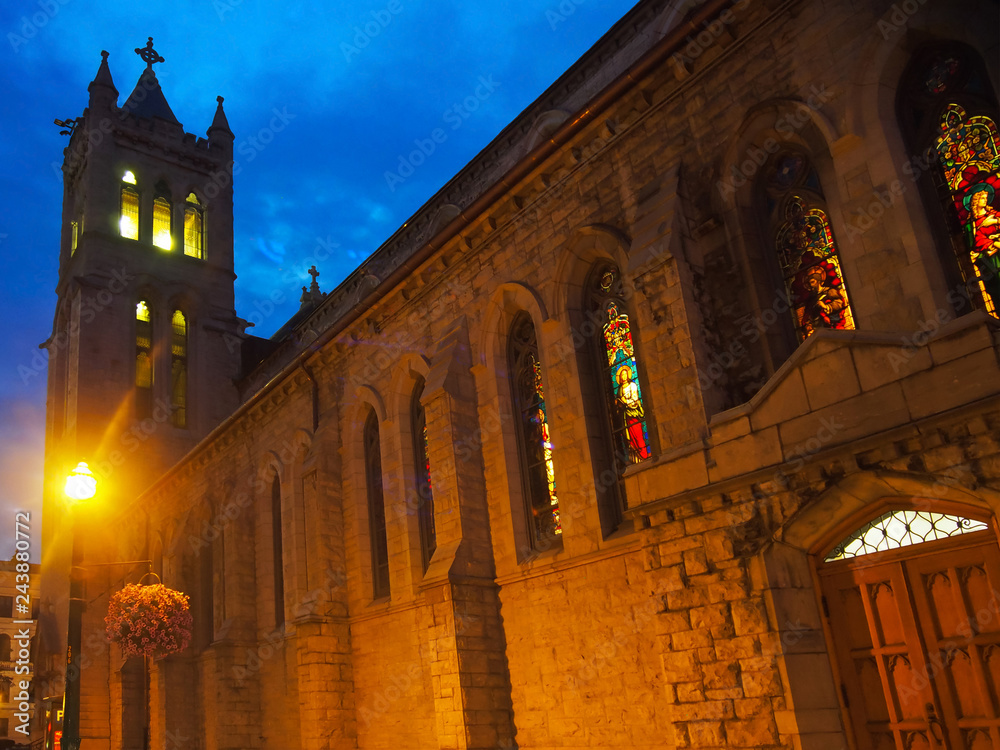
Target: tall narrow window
x: 161, y: 223
x: 376, y: 509
x: 277, y: 554
x: 627, y: 429
x: 206, y: 595
x: 74, y: 236
x: 128, y: 223
x: 969, y: 155
x: 422, y: 464
x: 194, y: 236
x: 143, y: 360
x: 178, y: 369
x: 534, y: 441
x: 948, y: 113
x: 803, y: 239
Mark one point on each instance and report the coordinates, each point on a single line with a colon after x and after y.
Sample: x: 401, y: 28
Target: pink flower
x: 149, y: 620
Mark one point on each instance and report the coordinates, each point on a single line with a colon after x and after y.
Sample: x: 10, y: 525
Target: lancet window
x: 143, y: 360
x: 178, y: 368
x: 424, y: 489
x: 194, y: 232
x: 128, y: 222
x: 534, y: 440
x: 376, y: 508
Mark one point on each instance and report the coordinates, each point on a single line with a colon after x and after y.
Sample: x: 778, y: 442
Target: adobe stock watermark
x: 786, y: 126
x: 363, y: 35
x: 48, y: 9
x: 900, y: 16
x: 562, y: 12
x: 455, y: 116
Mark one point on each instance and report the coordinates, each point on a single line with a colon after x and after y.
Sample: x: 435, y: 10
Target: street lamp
x: 81, y: 485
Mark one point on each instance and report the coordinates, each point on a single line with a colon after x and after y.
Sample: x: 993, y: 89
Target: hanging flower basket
x: 149, y: 620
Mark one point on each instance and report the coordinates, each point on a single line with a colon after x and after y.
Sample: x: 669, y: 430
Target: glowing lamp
x: 81, y: 484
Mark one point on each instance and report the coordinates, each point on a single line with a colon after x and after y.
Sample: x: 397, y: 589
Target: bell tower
x: 145, y: 342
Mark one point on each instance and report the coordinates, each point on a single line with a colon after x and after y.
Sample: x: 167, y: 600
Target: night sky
x: 356, y: 82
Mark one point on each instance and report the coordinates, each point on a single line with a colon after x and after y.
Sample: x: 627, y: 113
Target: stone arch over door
x: 811, y: 706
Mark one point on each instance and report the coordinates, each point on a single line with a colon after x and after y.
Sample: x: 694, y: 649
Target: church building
x: 671, y: 421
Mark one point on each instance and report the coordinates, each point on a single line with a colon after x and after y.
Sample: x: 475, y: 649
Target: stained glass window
x: 968, y: 152
x: 534, y: 440
x: 194, y: 242
x: 625, y: 430
x: 810, y: 267
x: 425, y: 495
x: 143, y: 360
x: 901, y: 528
x: 178, y: 368
x: 376, y: 509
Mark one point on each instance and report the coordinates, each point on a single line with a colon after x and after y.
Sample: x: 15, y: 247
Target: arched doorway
x: 911, y: 599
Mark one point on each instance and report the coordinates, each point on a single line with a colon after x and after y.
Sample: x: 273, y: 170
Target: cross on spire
x: 314, y: 273
x: 148, y: 54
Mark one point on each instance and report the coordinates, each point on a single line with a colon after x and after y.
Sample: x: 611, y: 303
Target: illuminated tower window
x: 74, y: 236
x: 161, y: 223
x: 194, y: 232
x: 143, y: 360
x: 129, y: 222
x: 178, y: 369
x: 534, y: 441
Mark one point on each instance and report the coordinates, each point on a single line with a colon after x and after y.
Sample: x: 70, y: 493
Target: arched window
x: 948, y: 113
x: 902, y: 528
x: 194, y: 233
x: 205, y: 620
x: 128, y: 223
x: 178, y: 369
x: 810, y: 268
x: 143, y: 360
x: 161, y: 218
x: 626, y: 428
x: 376, y: 509
x: 422, y: 466
x: 277, y: 554
x: 74, y: 236
x: 534, y: 442
x: 969, y: 155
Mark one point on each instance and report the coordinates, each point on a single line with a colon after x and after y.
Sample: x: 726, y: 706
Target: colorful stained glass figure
x: 536, y: 441
x: 622, y: 369
x: 811, y: 269
x: 968, y: 151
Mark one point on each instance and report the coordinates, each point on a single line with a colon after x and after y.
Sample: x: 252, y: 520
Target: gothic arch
x: 786, y: 575
x: 588, y: 245
x: 506, y: 301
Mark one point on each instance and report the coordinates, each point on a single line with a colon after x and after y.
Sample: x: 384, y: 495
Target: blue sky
x: 358, y: 82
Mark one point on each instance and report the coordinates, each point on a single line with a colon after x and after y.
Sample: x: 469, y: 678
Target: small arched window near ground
x: 901, y: 528
x: 128, y: 223
x: 376, y: 509
x: 178, y: 368
x: 809, y: 262
x: 534, y: 441
x: 422, y: 465
x: 143, y: 360
x: 968, y: 152
x: 194, y: 233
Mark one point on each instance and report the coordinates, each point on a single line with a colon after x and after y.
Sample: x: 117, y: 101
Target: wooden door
x: 916, y: 636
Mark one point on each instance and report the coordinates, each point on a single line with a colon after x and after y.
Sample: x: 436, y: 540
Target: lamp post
x: 81, y: 485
